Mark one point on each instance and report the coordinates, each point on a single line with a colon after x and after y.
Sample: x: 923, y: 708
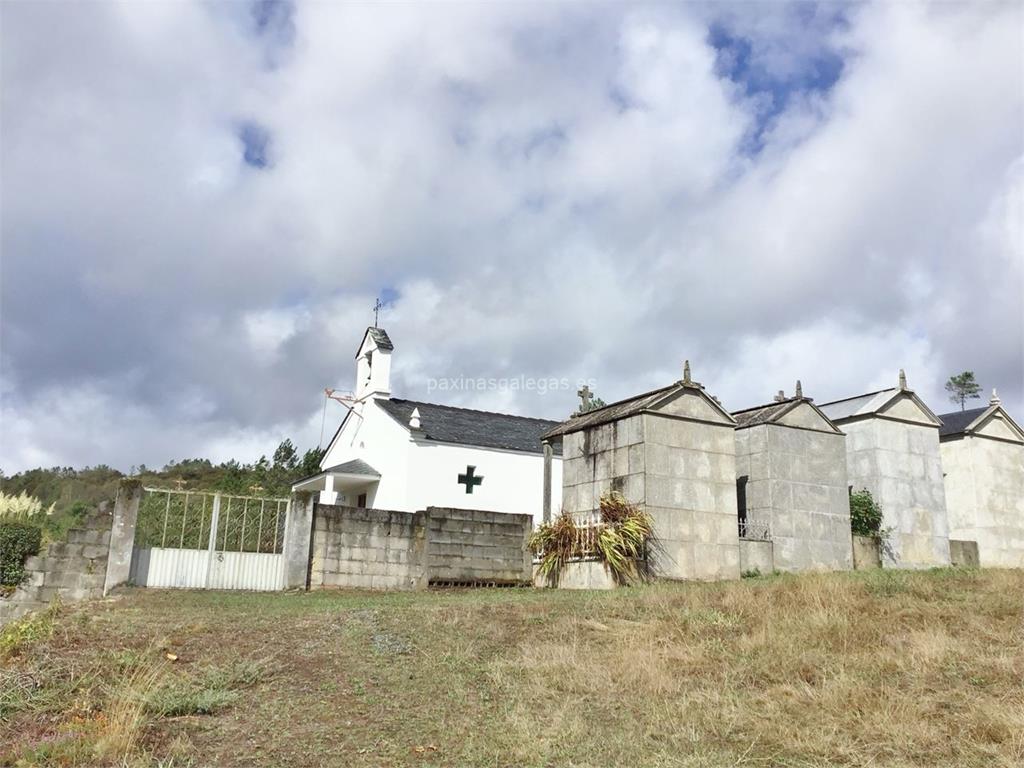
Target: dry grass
x: 878, y: 669
x: 895, y: 670
x: 118, y: 727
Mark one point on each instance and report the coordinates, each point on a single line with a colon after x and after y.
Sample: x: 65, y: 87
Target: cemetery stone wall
x: 69, y: 570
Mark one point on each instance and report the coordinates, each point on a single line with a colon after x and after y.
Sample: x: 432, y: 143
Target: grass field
x: 855, y: 669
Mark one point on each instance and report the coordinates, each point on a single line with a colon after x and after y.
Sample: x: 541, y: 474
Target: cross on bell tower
x: 377, y: 306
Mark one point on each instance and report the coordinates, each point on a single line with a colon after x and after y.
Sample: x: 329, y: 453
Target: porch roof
x: 353, y: 472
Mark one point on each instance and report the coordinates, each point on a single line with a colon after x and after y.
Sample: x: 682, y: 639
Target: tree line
x: 75, y: 491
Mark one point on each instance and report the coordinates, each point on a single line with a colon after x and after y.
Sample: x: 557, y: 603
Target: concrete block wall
x: 797, y: 483
x: 385, y: 549
x: 900, y: 463
x: 71, y: 570
x: 478, y: 546
x: 368, y: 548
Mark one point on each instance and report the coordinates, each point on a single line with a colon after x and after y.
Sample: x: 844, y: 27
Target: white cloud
x: 268, y: 329
x: 553, y: 190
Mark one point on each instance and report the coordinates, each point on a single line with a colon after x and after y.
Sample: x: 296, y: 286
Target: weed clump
x: 620, y: 540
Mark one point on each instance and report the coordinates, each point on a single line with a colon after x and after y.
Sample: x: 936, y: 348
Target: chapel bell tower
x: 373, y: 364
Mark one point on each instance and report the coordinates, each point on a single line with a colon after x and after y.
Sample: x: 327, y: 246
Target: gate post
x: 211, y: 546
x: 546, y: 503
x: 298, y: 532
x: 122, y: 534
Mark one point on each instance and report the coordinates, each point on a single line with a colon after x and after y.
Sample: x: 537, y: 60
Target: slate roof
x: 380, y: 338
x: 611, y: 412
x: 465, y: 426
x: 851, y: 406
x: 772, y: 412
x: 762, y: 414
x: 623, y: 408
x: 354, y: 467
x: 957, y: 422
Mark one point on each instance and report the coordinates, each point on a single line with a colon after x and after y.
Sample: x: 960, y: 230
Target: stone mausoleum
x: 983, y: 458
x: 892, y: 450
x: 791, y: 484
x: 672, y: 451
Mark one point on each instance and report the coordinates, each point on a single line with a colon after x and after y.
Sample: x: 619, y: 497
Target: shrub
x: 18, y: 541
x: 865, y: 515
x: 620, y: 540
x: 557, y: 543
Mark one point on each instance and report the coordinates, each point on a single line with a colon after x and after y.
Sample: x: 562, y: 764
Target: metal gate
x: 198, y: 540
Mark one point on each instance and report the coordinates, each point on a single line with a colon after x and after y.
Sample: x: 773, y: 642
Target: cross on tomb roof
x: 585, y: 396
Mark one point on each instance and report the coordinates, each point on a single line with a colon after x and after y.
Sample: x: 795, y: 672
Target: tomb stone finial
x: 903, y: 380
x: 995, y: 398
x: 686, y: 373
x: 780, y: 396
x: 799, y: 390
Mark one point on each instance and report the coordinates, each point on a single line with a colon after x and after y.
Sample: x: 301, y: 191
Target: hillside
x: 75, y: 491
x: 875, y: 668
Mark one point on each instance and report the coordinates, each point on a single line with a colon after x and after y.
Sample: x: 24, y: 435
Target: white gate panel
x: 259, y: 571
x: 177, y: 568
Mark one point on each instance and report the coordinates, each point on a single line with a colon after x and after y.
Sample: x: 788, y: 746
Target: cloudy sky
x: 200, y: 203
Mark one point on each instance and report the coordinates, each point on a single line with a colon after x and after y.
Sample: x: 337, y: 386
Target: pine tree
x: 962, y: 387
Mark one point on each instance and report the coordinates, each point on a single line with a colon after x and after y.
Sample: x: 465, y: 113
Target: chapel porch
x: 352, y: 483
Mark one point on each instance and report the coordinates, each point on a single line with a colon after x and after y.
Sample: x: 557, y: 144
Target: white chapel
x: 406, y: 455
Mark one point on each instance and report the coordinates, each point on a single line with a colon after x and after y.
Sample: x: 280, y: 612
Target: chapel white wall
x: 513, y: 480
x: 381, y: 442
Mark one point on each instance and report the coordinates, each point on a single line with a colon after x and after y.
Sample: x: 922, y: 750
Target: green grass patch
x: 23, y: 633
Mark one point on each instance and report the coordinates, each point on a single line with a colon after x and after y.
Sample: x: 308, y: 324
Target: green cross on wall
x: 469, y: 479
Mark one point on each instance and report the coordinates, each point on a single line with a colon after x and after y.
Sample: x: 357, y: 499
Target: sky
x: 201, y: 202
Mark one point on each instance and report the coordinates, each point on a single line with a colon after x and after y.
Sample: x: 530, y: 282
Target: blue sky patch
x: 737, y: 61
x: 255, y: 140
x: 273, y: 23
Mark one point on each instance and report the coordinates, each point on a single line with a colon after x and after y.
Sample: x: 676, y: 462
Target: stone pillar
x: 122, y: 535
x: 298, y: 533
x: 547, y: 480
x: 328, y: 495
x: 419, y: 555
